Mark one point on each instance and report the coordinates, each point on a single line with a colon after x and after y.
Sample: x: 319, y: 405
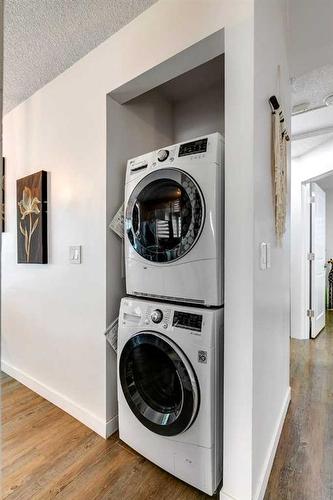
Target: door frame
x: 305, y: 249
x: 305, y: 268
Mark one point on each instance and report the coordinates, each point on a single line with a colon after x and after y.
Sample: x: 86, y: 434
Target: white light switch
x: 75, y: 254
x: 268, y: 256
x: 263, y: 256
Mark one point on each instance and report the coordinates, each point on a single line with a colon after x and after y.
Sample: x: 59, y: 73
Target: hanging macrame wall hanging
x: 280, y: 138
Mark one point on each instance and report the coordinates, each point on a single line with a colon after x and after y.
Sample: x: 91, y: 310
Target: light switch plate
x: 263, y: 256
x: 268, y: 256
x: 75, y: 254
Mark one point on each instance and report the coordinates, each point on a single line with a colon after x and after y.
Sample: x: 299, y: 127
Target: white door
x: 317, y: 264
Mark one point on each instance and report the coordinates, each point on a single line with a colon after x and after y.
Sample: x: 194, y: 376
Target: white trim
x: 111, y: 426
x: 262, y: 485
x: 104, y: 429
x: 305, y: 279
x: 225, y: 496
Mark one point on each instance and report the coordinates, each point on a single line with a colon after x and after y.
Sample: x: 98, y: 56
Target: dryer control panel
x: 206, y: 150
x: 193, y: 147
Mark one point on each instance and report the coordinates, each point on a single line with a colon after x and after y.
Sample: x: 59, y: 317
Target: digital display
x: 194, y: 147
x: 187, y: 320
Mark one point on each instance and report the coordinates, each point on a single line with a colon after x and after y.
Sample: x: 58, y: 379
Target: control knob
x: 157, y: 316
x: 162, y: 155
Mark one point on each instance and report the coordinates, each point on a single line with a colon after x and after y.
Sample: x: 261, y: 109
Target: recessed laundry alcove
x: 176, y: 101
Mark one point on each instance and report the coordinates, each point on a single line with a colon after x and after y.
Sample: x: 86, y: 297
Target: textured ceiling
x: 44, y: 37
x: 310, y: 50
x: 313, y: 86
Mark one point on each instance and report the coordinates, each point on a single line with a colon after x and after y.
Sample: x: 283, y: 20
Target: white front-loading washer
x: 174, y: 201
x: 170, y: 387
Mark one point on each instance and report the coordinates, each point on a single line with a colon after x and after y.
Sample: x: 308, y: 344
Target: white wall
x: 306, y: 167
x: 271, y: 301
x: 310, y: 40
x: 199, y: 115
x: 54, y: 315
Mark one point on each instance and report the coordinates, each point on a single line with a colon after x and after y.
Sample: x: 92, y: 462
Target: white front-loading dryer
x: 174, y: 201
x: 170, y: 387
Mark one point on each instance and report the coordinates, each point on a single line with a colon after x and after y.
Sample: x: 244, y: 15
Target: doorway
x: 316, y: 253
x: 317, y: 260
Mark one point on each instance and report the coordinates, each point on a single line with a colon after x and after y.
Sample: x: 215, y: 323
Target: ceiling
x: 45, y: 37
x: 310, y: 48
x: 326, y: 182
x: 304, y: 146
x: 42, y: 38
x: 311, y: 130
x: 313, y: 87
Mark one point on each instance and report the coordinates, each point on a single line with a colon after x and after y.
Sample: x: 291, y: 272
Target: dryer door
x: 159, y: 383
x: 164, y: 215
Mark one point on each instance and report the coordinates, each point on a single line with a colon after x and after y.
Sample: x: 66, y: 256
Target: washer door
x: 164, y: 215
x: 159, y: 383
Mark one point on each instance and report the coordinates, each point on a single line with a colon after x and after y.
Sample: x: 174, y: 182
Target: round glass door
x: 164, y: 215
x: 158, y: 383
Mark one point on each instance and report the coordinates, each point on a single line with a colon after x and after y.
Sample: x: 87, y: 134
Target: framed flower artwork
x: 32, y: 219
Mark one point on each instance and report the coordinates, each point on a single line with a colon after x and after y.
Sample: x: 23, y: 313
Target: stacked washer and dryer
x: 170, y: 338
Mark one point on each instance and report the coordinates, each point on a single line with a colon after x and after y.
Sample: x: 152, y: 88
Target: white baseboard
x: 262, y: 484
x: 104, y: 429
x: 111, y: 426
x: 225, y: 496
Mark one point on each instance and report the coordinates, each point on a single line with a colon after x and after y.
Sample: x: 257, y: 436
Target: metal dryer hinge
x: 311, y: 256
x: 310, y: 313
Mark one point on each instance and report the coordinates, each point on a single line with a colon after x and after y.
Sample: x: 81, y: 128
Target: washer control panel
x: 187, y: 320
x: 157, y: 316
x: 168, y: 318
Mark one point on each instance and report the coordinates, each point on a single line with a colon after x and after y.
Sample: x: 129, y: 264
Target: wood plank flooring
x: 48, y: 454
x: 303, y: 466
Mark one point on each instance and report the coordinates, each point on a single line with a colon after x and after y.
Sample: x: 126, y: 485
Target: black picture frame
x: 31, y: 192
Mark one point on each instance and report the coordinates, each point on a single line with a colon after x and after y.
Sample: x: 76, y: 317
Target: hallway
x: 303, y: 466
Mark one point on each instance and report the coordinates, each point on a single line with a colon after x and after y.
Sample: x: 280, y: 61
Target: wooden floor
x: 48, y: 454
x: 303, y: 466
